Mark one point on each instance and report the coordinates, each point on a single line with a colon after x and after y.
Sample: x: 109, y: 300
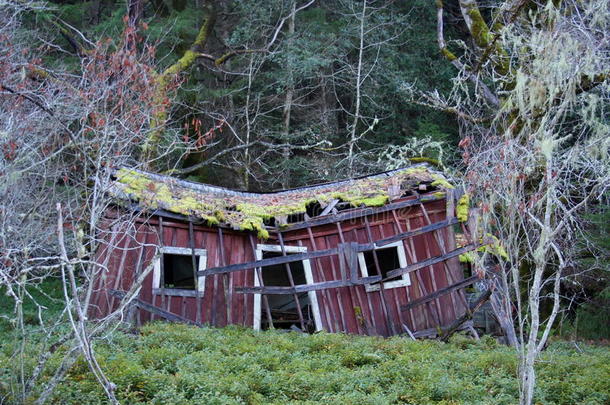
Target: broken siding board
x: 195, y: 268
x: 419, y: 288
x: 305, y: 287
x: 394, y: 292
x: 291, y: 280
x: 297, y: 257
x: 366, y: 312
x: 354, y: 292
x: 225, y: 277
x: 441, y: 292
x: 362, y: 212
x: 382, y: 290
x: 403, y: 299
x: 440, y: 241
x: 155, y: 310
x: 318, y: 269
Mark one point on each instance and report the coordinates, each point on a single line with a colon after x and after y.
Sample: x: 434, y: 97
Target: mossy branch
x: 162, y: 81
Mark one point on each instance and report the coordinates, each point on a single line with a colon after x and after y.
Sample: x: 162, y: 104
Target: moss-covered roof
x: 248, y: 211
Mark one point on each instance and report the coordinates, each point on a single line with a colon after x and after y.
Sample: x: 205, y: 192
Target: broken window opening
x: 284, y: 313
x: 293, y: 218
x: 173, y: 271
x: 283, y: 306
x: 178, y: 271
x: 390, y: 257
x: 313, y: 209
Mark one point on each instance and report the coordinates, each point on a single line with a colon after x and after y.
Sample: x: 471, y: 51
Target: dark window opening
x: 178, y: 271
x: 293, y: 218
x: 283, y: 307
x: 314, y: 209
x: 388, y: 260
x: 343, y: 205
x: 269, y: 221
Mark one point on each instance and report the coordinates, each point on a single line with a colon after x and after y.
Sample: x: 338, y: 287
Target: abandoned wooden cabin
x: 374, y: 255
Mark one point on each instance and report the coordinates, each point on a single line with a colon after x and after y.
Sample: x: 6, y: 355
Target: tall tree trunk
x: 353, y: 137
x: 288, y: 102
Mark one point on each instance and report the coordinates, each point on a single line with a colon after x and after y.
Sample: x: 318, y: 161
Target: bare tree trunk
x: 288, y: 101
x: 353, y: 137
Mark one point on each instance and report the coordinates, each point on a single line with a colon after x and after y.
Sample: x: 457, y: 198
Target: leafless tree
x: 59, y: 133
x: 532, y: 97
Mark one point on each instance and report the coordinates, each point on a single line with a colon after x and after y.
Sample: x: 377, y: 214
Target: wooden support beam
x: 419, y: 231
x: 291, y: 280
x: 329, y: 207
x: 467, y: 316
x: 155, y: 310
x: 226, y: 277
x: 328, y: 308
x: 429, y: 262
x: 259, y: 275
x: 176, y: 292
x: 384, y: 305
x: 196, y: 279
x: 161, y: 265
x: 440, y: 293
x: 301, y: 288
x: 355, y: 294
x: 297, y: 257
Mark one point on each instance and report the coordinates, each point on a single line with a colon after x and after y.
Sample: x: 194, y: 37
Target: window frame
x: 157, y: 289
x: 313, y: 298
x: 405, y: 280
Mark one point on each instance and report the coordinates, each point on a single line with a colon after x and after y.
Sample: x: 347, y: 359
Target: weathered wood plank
x: 416, y: 232
x: 329, y: 207
x: 441, y: 292
x: 384, y: 304
x: 301, y: 288
x: 362, y: 212
x: 297, y: 257
x: 434, y: 332
x: 155, y: 310
x: 429, y: 262
x: 194, y: 264
x: 467, y: 316
x: 176, y: 292
x: 291, y: 280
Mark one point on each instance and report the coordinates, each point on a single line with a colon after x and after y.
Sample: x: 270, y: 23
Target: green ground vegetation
x: 179, y: 364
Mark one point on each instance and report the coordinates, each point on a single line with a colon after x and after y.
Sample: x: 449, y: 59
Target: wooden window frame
x: 313, y: 298
x: 174, y: 250
x: 402, y: 261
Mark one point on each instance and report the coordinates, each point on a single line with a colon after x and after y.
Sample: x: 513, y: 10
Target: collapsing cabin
x: 374, y: 255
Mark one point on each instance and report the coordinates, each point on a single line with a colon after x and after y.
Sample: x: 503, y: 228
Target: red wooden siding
x: 127, y: 253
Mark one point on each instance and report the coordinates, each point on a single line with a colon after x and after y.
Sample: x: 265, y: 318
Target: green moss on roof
x: 248, y: 211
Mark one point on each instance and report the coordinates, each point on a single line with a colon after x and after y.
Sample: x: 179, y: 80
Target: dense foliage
x: 171, y: 363
x: 310, y: 95
x: 185, y: 365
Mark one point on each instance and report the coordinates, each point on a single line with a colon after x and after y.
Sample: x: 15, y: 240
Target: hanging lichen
x: 462, y: 208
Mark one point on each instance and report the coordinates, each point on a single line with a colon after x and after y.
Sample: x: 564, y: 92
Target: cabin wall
x: 128, y: 256
x: 127, y: 253
x: 353, y: 309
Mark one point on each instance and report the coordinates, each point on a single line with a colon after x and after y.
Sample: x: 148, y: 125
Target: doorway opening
x: 284, y: 307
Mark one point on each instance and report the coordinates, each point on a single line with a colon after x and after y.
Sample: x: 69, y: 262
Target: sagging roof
x: 249, y: 211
